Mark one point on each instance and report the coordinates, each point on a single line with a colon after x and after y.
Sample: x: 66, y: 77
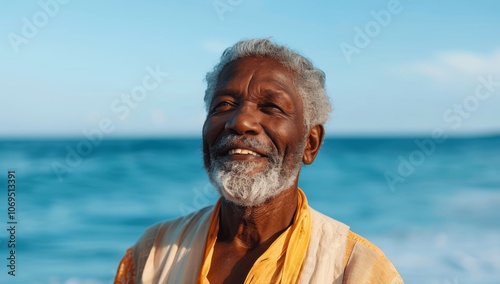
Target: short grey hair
x: 310, y: 80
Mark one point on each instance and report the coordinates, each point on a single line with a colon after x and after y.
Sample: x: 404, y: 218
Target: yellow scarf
x: 282, y: 261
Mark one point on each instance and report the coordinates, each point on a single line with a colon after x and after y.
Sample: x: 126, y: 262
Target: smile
x: 243, y: 152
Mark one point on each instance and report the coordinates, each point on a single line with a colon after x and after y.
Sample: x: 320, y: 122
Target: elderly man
x: 266, y: 106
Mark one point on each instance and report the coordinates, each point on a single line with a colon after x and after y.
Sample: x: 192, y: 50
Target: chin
x: 246, y: 202
x: 250, y: 189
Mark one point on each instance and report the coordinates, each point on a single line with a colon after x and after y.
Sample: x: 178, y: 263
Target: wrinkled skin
x: 255, y: 98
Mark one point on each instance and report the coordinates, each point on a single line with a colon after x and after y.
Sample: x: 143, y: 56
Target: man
x: 266, y: 106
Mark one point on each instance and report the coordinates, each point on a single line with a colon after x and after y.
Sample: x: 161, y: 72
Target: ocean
x: 432, y: 206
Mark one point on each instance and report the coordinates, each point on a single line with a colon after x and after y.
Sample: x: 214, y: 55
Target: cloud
x: 454, y: 66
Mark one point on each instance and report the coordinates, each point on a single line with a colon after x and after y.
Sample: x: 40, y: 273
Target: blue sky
x: 411, y: 67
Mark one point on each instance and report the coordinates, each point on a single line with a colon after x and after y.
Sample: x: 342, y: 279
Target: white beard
x: 243, y: 184
x: 235, y: 182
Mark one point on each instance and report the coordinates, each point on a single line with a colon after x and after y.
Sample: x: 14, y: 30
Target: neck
x: 249, y: 227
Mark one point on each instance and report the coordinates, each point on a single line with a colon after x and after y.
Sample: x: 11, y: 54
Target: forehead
x: 260, y: 71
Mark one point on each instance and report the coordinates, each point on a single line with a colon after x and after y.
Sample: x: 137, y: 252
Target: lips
x: 240, y: 151
x: 234, y: 147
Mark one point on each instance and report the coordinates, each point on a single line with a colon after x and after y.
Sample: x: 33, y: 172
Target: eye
x: 222, y: 106
x: 269, y: 107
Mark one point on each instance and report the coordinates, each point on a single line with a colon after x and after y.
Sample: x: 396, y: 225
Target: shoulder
x: 325, y: 254
x: 362, y: 262
x: 321, y: 219
x: 354, y: 240
x: 366, y: 263
x: 166, y: 233
x: 157, y: 230
x: 328, y: 228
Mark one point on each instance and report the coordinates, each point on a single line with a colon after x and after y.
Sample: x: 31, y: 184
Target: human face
x: 253, y: 136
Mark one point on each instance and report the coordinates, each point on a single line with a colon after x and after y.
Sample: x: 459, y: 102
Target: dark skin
x: 256, y: 97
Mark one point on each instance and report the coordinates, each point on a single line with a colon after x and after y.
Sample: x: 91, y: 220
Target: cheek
x: 208, y: 129
x: 206, y: 155
x: 279, y: 125
x: 204, y: 129
x: 290, y: 132
x: 211, y: 129
x: 207, y: 140
x: 288, y: 139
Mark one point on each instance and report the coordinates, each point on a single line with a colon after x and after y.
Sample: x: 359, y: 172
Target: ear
x: 314, y: 140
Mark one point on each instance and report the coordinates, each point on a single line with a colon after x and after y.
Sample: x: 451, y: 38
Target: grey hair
x: 310, y: 80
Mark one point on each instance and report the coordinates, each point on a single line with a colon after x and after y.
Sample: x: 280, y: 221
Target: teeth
x: 243, y: 152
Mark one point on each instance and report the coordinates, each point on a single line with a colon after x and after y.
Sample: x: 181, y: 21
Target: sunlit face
x: 253, y: 136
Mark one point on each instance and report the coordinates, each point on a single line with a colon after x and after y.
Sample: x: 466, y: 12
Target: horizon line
x: 196, y: 137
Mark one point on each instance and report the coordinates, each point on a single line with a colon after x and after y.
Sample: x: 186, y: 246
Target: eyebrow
x: 272, y: 94
x: 225, y: 92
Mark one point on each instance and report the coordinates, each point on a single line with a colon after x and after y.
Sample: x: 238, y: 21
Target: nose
x: 244, y: 121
